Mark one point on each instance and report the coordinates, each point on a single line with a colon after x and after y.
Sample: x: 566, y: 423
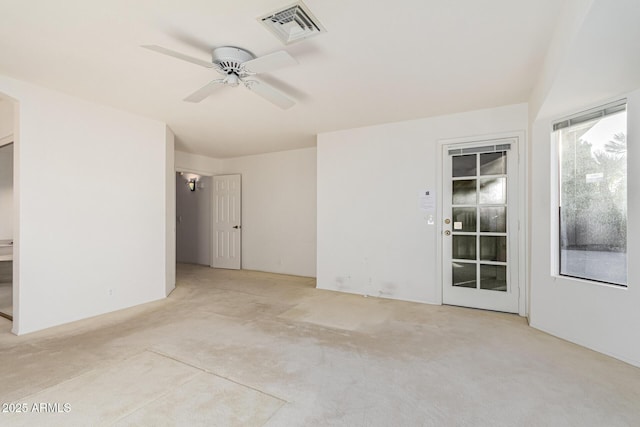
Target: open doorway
x: 6, y: 208
x: 193, y: 219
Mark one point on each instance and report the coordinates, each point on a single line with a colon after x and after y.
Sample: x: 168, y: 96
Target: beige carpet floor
x: 250, y: 349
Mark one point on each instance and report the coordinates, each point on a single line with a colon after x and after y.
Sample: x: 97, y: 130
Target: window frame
x: 568, y: 121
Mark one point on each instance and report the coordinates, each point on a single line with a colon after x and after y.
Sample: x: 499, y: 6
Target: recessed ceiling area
x: 378, y: 62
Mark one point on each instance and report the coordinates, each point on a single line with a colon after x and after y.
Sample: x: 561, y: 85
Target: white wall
x: 6, y: 192
x: 193, y: 224
x: 196, y: 163
x: 604, y: 318
x: 600, y: 65
x: 372, y: 238
x: 278, y: 211
x: 568, y: 25
x: 91, y: 193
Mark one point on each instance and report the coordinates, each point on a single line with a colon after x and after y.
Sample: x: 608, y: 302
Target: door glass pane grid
x: 493, y: 163
x: 464, y: 225
x: 466, y: 165
x: 493, y: 277
x: 479, y: 207
x: 493, y: 219
x: 492, y: 240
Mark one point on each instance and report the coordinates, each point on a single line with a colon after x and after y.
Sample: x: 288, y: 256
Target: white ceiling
x: 602, y: 64
x: 378, y: 62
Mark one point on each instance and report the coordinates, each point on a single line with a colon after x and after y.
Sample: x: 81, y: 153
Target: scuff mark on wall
x: 388, y: 289
x: 343, y: 283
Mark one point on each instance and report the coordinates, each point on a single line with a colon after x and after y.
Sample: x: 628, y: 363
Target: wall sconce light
x: 192, y: 184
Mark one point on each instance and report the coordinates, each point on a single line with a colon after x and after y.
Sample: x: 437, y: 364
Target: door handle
x: 237, y: 226
x: 447, y: 232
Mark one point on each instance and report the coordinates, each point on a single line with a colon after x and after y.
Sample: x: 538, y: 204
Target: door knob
x: 447, y: 232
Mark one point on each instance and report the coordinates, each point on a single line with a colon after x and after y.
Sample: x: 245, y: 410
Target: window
x: 593, y: 195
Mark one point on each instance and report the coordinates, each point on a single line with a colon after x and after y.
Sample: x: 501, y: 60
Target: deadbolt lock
x: 447, y: 221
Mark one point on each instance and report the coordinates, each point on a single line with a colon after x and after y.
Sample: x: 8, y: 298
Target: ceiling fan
x: 238, y: 66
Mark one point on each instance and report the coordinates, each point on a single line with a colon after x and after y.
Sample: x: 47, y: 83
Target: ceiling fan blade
x: 204, y: 91
x: 270, y: 62
x: 271, y: 94
x: 179, y: 55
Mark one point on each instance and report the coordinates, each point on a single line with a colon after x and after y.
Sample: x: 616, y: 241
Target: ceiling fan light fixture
x: 292, y: 23
x: 232, y: 80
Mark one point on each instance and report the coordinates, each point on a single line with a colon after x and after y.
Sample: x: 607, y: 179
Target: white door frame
x: 523, y: 210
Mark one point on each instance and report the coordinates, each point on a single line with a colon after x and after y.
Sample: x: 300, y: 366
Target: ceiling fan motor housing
x: 230, y: 59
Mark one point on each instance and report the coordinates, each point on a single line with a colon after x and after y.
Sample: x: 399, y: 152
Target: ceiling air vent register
x: 293, y: 23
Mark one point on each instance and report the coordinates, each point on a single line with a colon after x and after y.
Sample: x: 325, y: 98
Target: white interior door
x: 480, y: 230
x: 227, y: 223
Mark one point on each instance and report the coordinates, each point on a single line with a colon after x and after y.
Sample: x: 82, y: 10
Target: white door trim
x: 523, y: 210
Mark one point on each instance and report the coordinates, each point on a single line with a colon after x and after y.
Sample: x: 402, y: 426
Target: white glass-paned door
x: 479, y: 237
